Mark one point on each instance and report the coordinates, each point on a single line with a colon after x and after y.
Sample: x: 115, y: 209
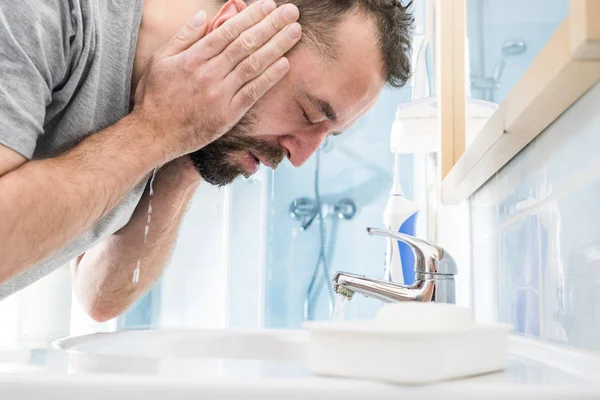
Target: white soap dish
x: 409, y: 344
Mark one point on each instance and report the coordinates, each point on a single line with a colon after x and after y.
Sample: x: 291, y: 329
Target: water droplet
x: 152, y: 182
x: 136, y: 272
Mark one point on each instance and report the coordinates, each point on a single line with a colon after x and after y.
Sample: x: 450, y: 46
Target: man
x: 92, y: 101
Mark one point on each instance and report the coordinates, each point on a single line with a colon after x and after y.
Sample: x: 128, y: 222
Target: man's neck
x: 161, y: 19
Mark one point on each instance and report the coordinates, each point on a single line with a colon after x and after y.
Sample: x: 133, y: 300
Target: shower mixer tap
x: 305, y: 210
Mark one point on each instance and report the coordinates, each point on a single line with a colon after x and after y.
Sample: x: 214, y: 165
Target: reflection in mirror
x: 503, y: 38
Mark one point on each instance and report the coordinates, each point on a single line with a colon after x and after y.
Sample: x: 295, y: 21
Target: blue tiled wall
x: 536, y: 234
x: 520, y: 287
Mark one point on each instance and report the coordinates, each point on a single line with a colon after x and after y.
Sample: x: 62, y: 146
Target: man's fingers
x: 216, y: 41
x: 254, y: 38
x: 255, y: 89
x: 193, y: 31
x: 258, y: 61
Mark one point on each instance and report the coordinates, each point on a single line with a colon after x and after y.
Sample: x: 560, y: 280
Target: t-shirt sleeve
x: 33, y: 62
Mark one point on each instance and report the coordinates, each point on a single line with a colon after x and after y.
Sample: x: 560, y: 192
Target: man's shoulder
x: 45, y: 14
x: 39, y: 28
x: 35, y: 56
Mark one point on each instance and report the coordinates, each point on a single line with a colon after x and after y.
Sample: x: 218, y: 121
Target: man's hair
x: 320, y: 18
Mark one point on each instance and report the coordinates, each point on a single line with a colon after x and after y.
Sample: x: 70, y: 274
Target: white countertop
x: 535, y: 371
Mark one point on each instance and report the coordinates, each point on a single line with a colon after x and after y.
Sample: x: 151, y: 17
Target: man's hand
x: 194, y: 90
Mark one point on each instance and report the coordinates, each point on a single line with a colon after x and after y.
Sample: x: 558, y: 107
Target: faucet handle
x: 429, y: 258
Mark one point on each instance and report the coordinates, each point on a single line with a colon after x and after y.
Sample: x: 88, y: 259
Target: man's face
x: 317, y: 98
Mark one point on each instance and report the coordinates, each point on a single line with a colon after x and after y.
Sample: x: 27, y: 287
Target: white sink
x: 208, y: 353
x: 224, y: 343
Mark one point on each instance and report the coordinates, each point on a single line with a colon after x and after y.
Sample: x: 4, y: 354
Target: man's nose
x: 304, y: 145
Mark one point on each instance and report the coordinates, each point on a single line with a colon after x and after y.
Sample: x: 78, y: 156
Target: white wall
x: 40, y: 312
x: 214, y: 276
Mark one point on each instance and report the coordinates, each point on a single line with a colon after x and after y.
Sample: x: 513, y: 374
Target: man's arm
x: 45, y: 204
x: 103, y: 277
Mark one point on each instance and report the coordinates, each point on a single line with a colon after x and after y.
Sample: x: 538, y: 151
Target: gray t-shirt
x: 65, y: 74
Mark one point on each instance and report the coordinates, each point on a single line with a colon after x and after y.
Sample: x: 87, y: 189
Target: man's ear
x: 229, y: 10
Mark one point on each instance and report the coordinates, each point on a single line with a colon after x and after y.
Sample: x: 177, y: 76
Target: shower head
x: 512, y: 48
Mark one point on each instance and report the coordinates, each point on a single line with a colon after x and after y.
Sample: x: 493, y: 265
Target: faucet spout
x: 388, y: 292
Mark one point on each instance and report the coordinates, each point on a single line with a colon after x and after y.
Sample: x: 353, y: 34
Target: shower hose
x: 322, y: 264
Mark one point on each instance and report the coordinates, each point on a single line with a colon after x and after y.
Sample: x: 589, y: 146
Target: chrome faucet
x: 434, y: 275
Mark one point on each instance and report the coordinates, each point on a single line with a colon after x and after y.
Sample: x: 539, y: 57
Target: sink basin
x: 198, y: 344
x: 207, y: 353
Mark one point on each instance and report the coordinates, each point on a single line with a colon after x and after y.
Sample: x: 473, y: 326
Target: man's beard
x: 212, y: 161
